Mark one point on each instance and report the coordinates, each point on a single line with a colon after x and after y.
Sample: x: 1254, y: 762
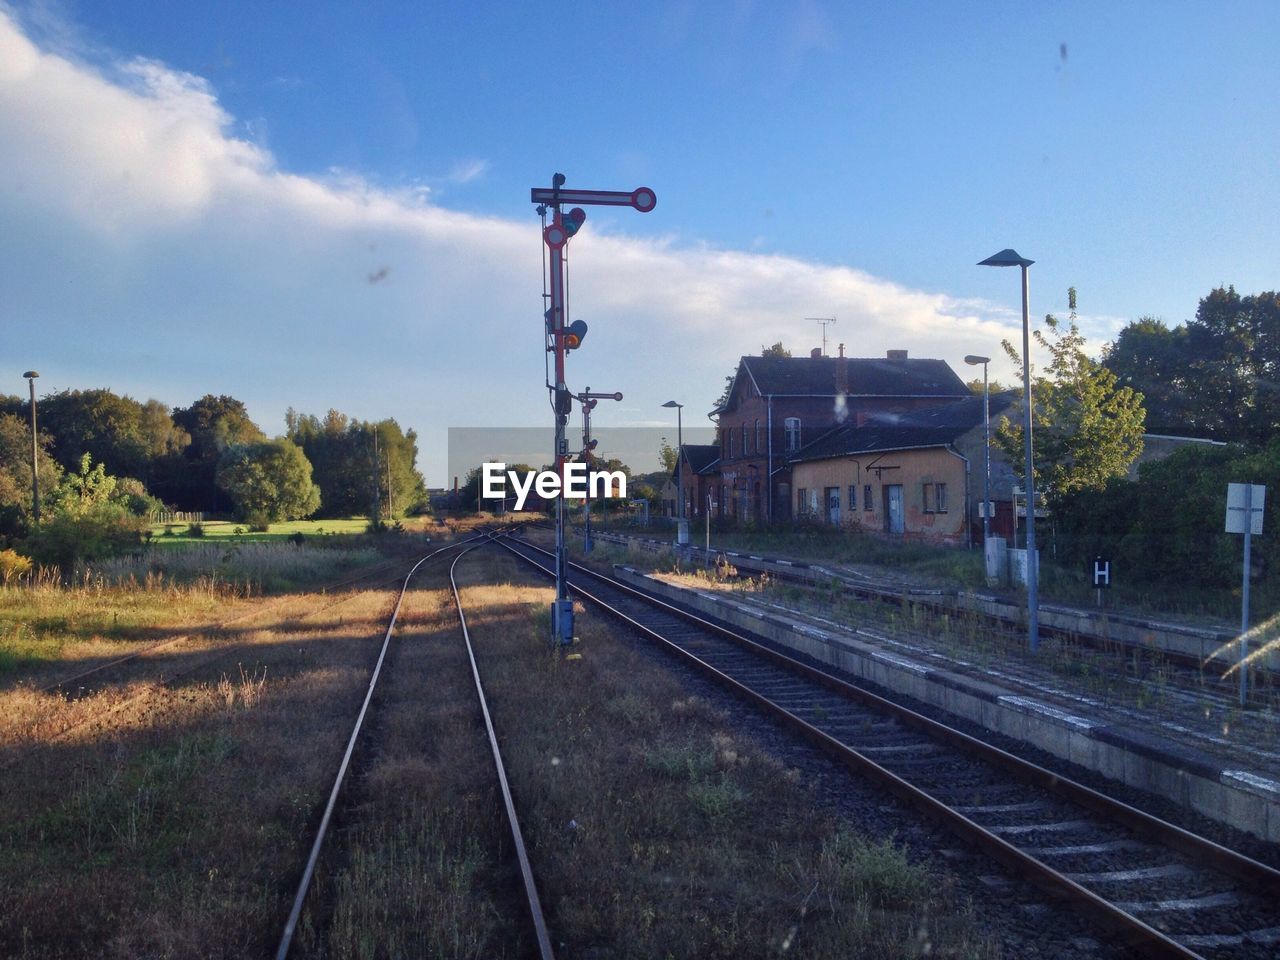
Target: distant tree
x: 214, y: 423
x: 668, y: 455
x: 1086, y: 428
x: 92, y: 515
x: 1154, y: 360
x: 116, y: 431
x: 994, y: 386
x: 15, y: 475
x: 1216, y: 376
x: 777, y: 350
x: 342, y: 452
x: 1235, y: 345
x: 268, y: 481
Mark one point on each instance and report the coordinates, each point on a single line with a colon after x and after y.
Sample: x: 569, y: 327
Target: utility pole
x: 562, y: 336
x: 32, y: 376
x: 377, y: 483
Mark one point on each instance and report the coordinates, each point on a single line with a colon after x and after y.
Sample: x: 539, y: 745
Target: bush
x: 195, y: 530
x: 65, y: 540
x: 13, y: 565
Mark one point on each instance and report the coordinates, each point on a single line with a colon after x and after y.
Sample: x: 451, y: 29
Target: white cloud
x: 148, y: 248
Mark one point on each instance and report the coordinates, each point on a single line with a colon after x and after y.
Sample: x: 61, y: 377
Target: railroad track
x: 536, y: 919
x: 1206, y: 676
x: 1145, y: 884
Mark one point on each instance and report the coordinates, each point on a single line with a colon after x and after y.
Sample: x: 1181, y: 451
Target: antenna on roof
x: 824, y: 322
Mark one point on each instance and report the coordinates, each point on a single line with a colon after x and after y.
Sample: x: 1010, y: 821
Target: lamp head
x: 1006, y: 258
x: 31, y: 375
x: 672, y: 403
x: 974, y: 361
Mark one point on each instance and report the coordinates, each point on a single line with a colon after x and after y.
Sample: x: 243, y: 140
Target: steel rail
x: 532, y: 899
x: 937, y: 601
x: 290, y: 927
x: 1132, y: 931
x: 1224, y: 859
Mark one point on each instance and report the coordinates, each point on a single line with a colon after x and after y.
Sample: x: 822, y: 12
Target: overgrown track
x: 513, y: 821
x: 327, y: 818
x: 1147, y: 884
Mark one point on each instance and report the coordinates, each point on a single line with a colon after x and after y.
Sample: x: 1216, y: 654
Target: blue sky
x: 196, y: 201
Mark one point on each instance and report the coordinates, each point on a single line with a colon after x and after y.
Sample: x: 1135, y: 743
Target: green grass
x: 233, y: 530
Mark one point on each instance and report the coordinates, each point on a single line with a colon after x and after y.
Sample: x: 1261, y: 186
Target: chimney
x: 842, y: 373
x: 815, y: 353
x: 842, y: 349
x: 897, y: 355
x: 455, y: 484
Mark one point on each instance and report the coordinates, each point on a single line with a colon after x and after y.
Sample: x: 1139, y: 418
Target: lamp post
x: 1010, y: 258
x: 681, y: 530
x: 31, y: 376
x: 973, y: 361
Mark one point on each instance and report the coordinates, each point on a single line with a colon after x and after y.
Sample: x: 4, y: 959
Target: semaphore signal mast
x: 562, y: 337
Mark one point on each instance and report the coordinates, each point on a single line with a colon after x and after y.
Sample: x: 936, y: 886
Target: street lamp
x: 1010, y: 258
x: 681, y: 530
x: 973, y: 361
x: 31, y: 376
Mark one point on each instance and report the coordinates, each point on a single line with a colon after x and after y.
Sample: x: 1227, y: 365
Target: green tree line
x: 106, y: 461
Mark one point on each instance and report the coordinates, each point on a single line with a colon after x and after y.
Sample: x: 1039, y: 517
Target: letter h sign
x: 1101, y: 570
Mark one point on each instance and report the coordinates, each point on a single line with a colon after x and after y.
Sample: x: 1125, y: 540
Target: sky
x: 327, y: 205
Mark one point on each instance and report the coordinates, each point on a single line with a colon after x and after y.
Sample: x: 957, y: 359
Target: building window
x: 730, y: 432
x: 802, y: 501
x: 792, y: 425
x: 759, y: 440
x: 744, y: 438
x: 866, y: 498
x: 853, y: 497
x: 935, y: 498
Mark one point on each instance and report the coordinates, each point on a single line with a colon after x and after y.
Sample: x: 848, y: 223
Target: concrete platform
x: 1197, y: 642
x: 1221, y: 763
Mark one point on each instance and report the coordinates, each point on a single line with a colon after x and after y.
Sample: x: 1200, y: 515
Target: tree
x: 92, y: 515
x: 994, y: 386
x: 1235, y: 345
x: 777, y: 350
x: 15, y: 475
x: 668, y: 455
x: 342, y: 454
x: 268, y: 481
x: 1153, y: 359
x: 1086, y: 428
x: 1216, y: 376
x: 120, y: 433
x: 214, y: 423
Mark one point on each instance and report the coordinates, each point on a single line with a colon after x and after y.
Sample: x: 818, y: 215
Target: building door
x: 893, y: 508
x: 832, y: 498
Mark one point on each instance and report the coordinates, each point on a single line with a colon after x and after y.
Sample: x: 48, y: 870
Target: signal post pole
x: 563, y: 337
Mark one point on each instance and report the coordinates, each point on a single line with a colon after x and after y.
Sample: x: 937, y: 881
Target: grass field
x: 169, y: 533
x: 173, y: 825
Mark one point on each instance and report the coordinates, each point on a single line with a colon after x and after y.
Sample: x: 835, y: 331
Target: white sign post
x: 1245, y: 503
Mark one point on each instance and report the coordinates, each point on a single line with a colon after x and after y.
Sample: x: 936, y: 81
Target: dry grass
x: 658, y: 830
x: 169, y: 829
